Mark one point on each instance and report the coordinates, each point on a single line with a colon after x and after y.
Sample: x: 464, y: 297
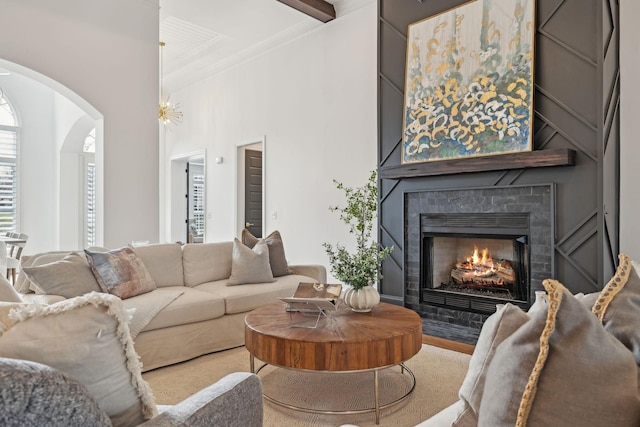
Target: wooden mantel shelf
x: 523, y: 160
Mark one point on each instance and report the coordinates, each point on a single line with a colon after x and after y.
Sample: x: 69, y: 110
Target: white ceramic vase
x: 361, y: 300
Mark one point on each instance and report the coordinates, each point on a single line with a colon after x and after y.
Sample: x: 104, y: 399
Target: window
x: 8, y: 167
x: 197, y: 207
x: 89, y: 149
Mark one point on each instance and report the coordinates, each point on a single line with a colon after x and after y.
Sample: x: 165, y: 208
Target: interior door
x: 253, y: 192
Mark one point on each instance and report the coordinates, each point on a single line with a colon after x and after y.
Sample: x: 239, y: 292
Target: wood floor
x: 448, y: 344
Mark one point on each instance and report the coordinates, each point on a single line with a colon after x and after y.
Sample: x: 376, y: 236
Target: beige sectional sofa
x: 193, y: 311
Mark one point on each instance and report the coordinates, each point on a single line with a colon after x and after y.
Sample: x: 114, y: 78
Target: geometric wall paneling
x: 583, y: 16
x: 578, y: 133
x: 576, y: 107
x: 393, y: 45
x: 561, y: 73
x: 390, y: 128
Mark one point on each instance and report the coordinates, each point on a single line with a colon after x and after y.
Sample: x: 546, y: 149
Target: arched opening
x: 51, y: 162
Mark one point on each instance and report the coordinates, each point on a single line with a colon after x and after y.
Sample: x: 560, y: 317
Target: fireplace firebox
x: 475, y: 261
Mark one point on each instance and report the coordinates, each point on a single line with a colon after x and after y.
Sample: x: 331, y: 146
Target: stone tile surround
x: 536, y: 200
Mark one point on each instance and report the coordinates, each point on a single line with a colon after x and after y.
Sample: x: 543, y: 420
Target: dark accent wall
x: 577, y: 81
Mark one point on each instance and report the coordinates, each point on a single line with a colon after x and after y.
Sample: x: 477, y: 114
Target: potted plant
x: 360, y: 270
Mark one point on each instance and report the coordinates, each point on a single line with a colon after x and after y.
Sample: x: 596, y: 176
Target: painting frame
x: 469, y: 82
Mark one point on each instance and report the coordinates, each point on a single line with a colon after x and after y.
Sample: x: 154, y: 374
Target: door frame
x: 177, y: 201
x: 238, y: 165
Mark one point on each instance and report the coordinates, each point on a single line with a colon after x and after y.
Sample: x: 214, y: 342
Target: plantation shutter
x: 91, y: 204
x: 8, y: 181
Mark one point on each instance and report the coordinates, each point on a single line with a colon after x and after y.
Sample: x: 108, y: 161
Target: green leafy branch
x: 362, y: 267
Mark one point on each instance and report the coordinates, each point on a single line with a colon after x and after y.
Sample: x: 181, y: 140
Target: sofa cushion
x: 192, y: 306
x: 250, y: 265
x: 206, y: 262
x: 68, y: 277
x: 39, y: 395
x: 561, y: 368
x: 618, y: 305
x: 145, y: 307
x: 240, y: 299
x: 88, y: 338
x: 277, y: 258
x: 120, y: 272
x: 164, y: 263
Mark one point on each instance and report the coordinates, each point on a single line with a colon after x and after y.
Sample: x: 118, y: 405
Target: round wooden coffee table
x: 343, y: 341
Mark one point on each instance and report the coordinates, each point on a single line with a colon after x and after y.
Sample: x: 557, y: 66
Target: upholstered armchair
x: 36, y: 395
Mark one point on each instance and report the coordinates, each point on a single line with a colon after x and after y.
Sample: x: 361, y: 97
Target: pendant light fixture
x: 168, y: 113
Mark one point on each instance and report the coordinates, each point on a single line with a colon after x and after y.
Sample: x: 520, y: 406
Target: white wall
x: 629, y: 141
x: 314, y: 99
x: 104, y: 57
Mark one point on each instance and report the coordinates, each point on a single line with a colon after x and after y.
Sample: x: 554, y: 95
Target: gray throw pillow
x: 38, y: 395
x: 277, y: 258
x: 120, y: 272
x: 561, y: 368
x: 69, y: 277
x: 250, y: 265
x: 618, y: 305
x: 498, y: 327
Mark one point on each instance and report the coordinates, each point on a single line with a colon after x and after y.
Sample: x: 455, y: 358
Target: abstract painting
x: 469, y: 82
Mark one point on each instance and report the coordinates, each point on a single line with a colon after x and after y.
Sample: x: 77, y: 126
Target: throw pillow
x: 120, y: 272
x: 277, y: 258
x: 70, y: 277
x: 8, y: 292
x: 250, y: 265
x: 558, y: 368
x: 618, y: 305
x: 499, y: 326
x: 88, y: 338
x: 22, y: 284
x: 38, y: 395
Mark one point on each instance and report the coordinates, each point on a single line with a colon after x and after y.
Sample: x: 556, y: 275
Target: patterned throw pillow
x: 120, y: 272
x: 250, y: 265
x: 86, y: 337
x: 277, y: 258
x: 558, y: 368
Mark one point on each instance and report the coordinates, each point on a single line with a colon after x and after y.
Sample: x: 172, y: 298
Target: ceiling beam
x: 318, y: 9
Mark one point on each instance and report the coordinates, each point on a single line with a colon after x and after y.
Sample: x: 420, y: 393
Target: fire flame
x: 481, y: 263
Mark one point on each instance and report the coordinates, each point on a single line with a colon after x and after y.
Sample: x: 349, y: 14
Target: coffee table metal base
x: 376, y: 387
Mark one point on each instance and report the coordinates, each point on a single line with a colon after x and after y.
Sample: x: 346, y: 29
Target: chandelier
x: 167, y: 112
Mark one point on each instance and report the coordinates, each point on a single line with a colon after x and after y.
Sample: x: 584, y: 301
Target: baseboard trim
x: 448, y: 344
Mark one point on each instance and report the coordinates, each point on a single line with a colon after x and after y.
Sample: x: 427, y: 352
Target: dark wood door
x: 253, y: 192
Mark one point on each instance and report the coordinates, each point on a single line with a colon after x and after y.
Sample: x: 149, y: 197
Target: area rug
x: 439, y: 374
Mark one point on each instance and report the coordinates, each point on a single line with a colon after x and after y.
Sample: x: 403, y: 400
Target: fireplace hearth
x: 444, y: 229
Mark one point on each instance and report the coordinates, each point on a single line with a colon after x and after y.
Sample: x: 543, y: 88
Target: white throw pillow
x: 88, y: 338
x: 7, y: 291
x: 250, y: 265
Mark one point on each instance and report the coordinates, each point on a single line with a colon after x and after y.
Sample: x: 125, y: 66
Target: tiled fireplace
x: 468, y: 250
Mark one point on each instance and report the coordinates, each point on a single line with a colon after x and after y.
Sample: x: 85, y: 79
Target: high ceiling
x: 206, y: 36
